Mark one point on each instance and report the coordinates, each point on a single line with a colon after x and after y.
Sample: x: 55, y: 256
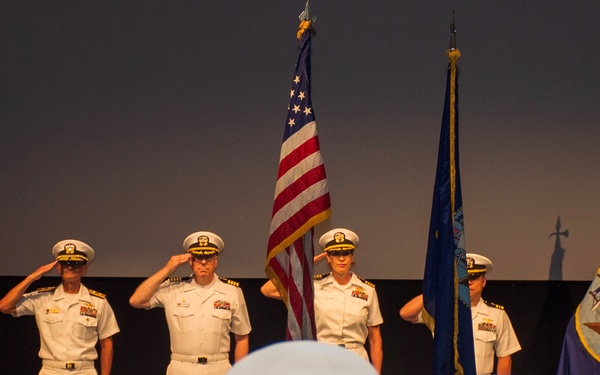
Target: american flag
x: 301, y: 201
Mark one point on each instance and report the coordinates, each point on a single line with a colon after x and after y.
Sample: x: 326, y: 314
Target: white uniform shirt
x: 201, y: 317
x: 493, y: 335
x: 343, y: 312
x: 69, y: 324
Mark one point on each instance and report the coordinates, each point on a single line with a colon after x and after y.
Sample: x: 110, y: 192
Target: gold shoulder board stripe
x: 178, y: 279
x: 230, y: 282
x: 97, y: 294
x: 492, y: 304
x: 321, y: 276
x: 366, y: 282
x: 46, y: 289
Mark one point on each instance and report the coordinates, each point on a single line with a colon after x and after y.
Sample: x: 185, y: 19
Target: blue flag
x: 446, y: 301
x: 581, y: 346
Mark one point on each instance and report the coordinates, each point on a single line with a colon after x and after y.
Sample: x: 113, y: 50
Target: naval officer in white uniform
x: 201, y: 310
x: 70, y: 317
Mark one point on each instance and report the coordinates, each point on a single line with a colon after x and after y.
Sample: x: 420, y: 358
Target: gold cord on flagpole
x: 453, y: 54
x: 304, y: 25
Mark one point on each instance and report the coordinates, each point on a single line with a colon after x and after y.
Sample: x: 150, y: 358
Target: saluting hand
x: 37, y: 274
x: 176, y: 261
x: 319, y: 257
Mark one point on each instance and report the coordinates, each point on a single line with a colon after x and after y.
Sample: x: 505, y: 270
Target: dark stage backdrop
x: 539, y: 311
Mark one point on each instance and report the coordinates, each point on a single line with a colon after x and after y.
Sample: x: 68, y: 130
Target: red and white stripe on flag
x: 301, y: 201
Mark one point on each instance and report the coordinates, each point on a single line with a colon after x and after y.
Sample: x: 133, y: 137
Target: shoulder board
x: 321, y: 276
x: 230, y: 282
x: 366, y: 282
x: 492, y: 304
x: 97, y: 294
x: 178, y: 279
x: 46, y: 289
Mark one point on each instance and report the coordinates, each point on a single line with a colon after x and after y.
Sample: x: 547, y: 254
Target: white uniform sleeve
x: 374, y: 317
x: 107, y: 322
x: 507, y: 342
x: 240, y: 321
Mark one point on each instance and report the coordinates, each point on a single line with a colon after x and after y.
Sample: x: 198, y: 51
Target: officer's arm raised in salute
x: 140, y: 299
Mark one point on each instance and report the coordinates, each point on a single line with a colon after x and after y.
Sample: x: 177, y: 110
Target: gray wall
x: 131, y: 124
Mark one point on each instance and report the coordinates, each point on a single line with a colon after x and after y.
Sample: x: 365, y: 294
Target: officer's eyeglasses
x: 201, y: 257
x: 341, y: 253
x: 475, y: 276
x: 71, y: 263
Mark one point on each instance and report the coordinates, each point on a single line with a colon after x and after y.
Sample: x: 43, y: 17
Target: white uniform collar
x: 481, y: 308
x: 83, y: 295
x: 193, y: 284
x: 353, y: 281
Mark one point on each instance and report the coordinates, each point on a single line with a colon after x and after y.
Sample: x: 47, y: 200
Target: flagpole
x: 452, y: 34
x: 307, y: 14
x: 307, y: 18
x: 301, y: 199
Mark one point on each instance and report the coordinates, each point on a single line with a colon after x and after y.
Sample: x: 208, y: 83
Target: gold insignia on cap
x: 203, y: 240
x: 339, y: 237
x: 338, y: 241
x: 70, y: 248
x: 70, y: 252
x: 73, y: 250
x: 477, y: 264
x: 203, y: 243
